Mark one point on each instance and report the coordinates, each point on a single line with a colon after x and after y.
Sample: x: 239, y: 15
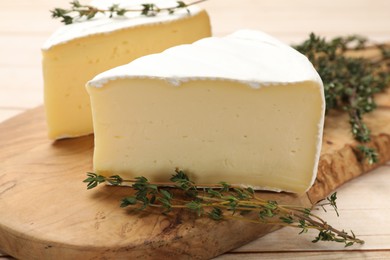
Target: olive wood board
x: 47, y: 212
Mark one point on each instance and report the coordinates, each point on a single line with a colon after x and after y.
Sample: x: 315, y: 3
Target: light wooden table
x: 364, y: 202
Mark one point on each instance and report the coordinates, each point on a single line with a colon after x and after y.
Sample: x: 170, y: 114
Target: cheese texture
x: 77, y: 52
x: 245, y: 109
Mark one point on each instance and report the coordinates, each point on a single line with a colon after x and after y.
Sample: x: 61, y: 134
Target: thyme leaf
x: 350, y: 82
x: 79, y: 12
x: 224, y: 202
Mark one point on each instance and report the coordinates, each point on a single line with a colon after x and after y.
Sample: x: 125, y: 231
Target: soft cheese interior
x: 78, y: 52
x: 244, y: 109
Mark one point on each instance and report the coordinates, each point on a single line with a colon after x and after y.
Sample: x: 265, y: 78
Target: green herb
x: 369, y: 153
x: 78, y: 12
x: 224, y: 202
x: 350, y: 83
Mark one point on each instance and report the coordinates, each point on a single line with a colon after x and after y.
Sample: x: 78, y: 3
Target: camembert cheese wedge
x: 245, y: 109
x: 77, y: 52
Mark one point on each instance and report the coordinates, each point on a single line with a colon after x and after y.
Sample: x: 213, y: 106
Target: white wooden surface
x: 364, y: 204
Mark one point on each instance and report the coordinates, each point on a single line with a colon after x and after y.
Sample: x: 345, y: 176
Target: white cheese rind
x: 101, y: 23
x: 247, y: 57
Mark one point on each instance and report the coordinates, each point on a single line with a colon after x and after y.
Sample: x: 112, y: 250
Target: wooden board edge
x: 346, y: 160
x: 338, y: 168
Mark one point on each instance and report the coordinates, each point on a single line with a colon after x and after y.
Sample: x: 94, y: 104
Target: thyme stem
x: 350, y: 80
x: 77, y: 11
x: 224, y: 201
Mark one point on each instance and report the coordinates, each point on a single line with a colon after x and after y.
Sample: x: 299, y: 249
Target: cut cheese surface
x: 78, y: 52
x: 243, y: 119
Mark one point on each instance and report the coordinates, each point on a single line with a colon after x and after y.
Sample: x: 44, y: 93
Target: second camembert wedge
x: 77, y: 52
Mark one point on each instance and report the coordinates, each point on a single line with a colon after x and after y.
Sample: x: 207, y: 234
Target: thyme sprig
x: 225, y: 202
x: 350, y: 82
x: 78, y: 11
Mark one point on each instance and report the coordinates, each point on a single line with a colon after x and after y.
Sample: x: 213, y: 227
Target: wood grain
x: 319, y: 255
x: 73, y: 223
x: 360, y: 210
x: 26, y: 25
